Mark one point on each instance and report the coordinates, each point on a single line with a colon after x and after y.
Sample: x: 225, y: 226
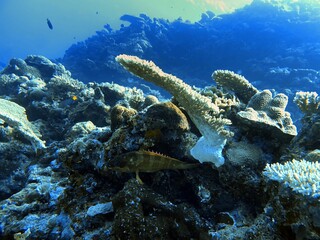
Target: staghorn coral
x: 243, y: 89
x: 308, y: 102
x: 302, y: 176
x: 203, y: 113
x: 15, y: 116
x: 267, y: 113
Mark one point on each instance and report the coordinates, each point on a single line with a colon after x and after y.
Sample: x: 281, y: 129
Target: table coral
x: 265, y: 112
x: 202, y: 111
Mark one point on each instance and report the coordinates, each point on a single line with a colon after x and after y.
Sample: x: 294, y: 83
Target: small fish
x: 49, y: 24
x: 74, y: 98
x: 145, y: 161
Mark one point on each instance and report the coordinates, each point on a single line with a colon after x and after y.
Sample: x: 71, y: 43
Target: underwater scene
x: 146, y: 119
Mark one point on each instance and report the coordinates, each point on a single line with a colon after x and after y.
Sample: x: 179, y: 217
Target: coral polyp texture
x: 266, y: 112
x: 308, y: 102
x: 202, y: 111
x: 302, y: 176
x: 242, y: 153
x: 236, y: 83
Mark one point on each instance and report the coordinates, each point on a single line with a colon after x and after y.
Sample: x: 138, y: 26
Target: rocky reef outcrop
x: 60, y: 136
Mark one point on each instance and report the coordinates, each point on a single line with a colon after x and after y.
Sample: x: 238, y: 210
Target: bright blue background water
x: 24, y: 29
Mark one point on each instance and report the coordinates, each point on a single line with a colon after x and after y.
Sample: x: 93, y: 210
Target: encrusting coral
x: 242, y: 153
x: 15, y: 116
x: 202, y: 111
x: 269, y: 113
x: 308, y: 102
x: 229, y: 80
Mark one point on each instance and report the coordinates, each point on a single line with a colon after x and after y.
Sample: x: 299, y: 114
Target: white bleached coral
x: 15, y: 116
x: 202, y: 111
x: 302, y: 176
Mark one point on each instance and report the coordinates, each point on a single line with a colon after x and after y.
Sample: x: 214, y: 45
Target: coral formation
x: 226, y: 101
x: 120, y: 115
x: 243, y: 89
x: 302, y: 176
x: 308, y: 102
x: 265, y: 112
x: 244, y: 154
x: 203, y: 113
x: 160, y: 114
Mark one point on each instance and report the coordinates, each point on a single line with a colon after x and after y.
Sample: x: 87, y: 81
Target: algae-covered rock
x: 141, y: 213
x: 120, y: 115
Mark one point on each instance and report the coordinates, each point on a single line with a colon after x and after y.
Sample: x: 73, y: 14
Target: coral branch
x: 202, y: 111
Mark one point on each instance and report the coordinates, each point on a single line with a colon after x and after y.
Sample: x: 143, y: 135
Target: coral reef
x: 71, y: 190
x: 203, y: 113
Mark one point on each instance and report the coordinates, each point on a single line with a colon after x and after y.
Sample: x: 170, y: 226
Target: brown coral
x: 166, y: 115
x: 120, y: 116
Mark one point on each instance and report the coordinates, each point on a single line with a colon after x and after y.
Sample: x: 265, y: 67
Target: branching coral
x: 236, y: 83
x: 202, y: 111
x: 224, y: 100
x: 308, y: 102
x: 302, y: 176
